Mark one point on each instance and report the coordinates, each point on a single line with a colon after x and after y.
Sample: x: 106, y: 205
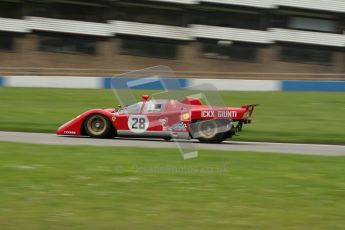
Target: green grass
x: 303, y: 117
x: 64, y: 187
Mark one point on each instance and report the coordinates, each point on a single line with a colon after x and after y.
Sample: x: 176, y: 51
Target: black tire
x: 98, y: 126
x: 167, y: 138
x: 208, y: 130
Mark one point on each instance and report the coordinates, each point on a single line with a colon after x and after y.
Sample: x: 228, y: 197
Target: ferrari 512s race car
x: 188, y: 118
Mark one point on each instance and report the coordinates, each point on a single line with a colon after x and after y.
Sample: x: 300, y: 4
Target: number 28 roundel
x: 138, y: 123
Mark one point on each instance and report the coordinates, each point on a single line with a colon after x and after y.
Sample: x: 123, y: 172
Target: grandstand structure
x: 254, y: 39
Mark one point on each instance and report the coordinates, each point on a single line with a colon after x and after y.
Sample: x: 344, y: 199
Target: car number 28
x: 138, y: 123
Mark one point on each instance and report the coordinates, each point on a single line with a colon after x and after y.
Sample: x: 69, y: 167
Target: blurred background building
x: 254, y: 39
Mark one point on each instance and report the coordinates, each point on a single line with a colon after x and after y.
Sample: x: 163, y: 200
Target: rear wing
x: 247, y: 116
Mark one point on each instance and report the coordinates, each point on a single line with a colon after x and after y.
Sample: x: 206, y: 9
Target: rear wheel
x: 98, y: 126
x: 167, y: 138
x: 209, y: 132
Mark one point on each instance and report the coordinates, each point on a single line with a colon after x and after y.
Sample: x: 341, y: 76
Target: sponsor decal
x: 227, y: 113
x: 207, y: 113
x: 219, y: 114
x: 138, y: 123
x: 69, y: 132
x: 185, y: 116
x: 179, y: 126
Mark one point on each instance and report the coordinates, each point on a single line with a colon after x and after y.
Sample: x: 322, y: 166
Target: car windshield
x: 132, y: 109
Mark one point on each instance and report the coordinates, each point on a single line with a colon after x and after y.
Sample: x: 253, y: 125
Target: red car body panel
x: 73, y: 127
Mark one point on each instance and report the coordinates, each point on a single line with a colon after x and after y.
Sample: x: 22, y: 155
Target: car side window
x: 153, y: 107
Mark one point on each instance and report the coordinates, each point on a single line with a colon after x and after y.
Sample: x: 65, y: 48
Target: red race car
x: 167, y: 119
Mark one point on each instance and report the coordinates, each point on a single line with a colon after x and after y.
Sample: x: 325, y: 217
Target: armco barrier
x: 122, y: 82
x: 313, y: 85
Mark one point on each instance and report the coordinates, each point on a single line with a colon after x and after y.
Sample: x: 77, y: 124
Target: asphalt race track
x: 306, y: 149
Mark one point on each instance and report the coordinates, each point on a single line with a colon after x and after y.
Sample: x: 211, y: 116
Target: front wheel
x: 209, y: 132
x: 98, y: 126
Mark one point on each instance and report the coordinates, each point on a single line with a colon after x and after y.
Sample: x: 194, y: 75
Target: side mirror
x: 145, y: 97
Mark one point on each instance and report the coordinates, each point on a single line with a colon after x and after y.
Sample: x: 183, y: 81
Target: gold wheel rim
x: 96, y: 125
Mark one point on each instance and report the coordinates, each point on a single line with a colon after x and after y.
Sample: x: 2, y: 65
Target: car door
x: 154, y: 110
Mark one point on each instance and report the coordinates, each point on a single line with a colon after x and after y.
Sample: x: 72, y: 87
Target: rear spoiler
x: 247, y: 117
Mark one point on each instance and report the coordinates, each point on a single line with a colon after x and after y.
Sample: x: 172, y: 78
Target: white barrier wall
x: 220, y: 84
x: 239, y: 85
x: 53, y: 82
